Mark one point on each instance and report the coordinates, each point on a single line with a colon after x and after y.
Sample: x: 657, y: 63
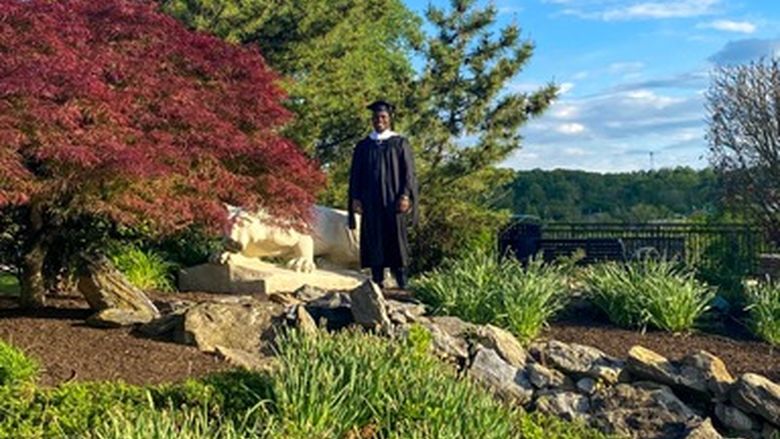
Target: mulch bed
x: 732, y: 342
x: 68, y: 350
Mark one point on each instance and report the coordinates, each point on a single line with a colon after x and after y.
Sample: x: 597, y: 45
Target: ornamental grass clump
x: 352, y: 384
x: 331, y: 385
x: 195, y: 423
x: 652, y: 292
x: 146, y: 269
x: 764, y: 310
x: 482, y: 289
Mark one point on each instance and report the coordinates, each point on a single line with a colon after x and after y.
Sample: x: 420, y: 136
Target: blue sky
x: 633, y: 75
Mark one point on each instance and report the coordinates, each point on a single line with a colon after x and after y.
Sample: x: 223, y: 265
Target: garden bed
x: 733, y: 343
x: 68, y: 350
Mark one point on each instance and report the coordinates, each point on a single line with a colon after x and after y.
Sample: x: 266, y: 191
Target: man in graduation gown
x: 383, y: 189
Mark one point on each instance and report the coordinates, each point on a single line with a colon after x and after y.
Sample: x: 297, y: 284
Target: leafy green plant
x: 146, y: 269
x: 764, y: 310
x: 325, y: 386
x: 9, y: 285
x: 724, y: 263
x: 196, y: 423
x: 15, y: 366
x: 483, y: 289
x: 651, y: 292
x: 332, y: 384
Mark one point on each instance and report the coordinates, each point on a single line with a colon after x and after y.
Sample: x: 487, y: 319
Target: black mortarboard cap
x: 381, y: 105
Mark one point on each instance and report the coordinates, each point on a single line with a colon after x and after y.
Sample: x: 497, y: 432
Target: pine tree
x: 463, y: 122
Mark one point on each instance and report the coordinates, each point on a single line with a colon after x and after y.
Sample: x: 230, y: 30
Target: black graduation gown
x: 382, y: 171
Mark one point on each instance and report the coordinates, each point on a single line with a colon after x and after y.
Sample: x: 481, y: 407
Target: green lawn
x: 9, y: 285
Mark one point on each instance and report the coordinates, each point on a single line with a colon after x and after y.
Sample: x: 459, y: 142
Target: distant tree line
x: 565, y: 195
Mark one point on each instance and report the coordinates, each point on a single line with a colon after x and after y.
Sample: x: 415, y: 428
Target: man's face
x: 381, y: 121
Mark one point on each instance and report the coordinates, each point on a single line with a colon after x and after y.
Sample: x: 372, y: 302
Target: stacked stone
x: 643, y: 396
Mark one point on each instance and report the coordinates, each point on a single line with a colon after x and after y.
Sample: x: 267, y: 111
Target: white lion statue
x: 255, y: 237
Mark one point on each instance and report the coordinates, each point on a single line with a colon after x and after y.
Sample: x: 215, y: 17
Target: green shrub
x: 15, y: 366
x: 9, y: 285
x: 66, y: 411
x: 764, y: 311
x: 724, y: 263
x: 657, y: 293
x: 191, y: 246
x: 146, y: 269
x: 481, y: 289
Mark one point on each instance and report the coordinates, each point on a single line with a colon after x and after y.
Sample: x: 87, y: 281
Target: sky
x: 632, y: 73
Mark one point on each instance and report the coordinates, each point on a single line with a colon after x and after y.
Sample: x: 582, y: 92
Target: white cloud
x: 614, y: 10
x: 614, y: 130
x: 579, y: 76
x: 620, y: 68
x: 570, y: 128
x: 563, y: 111
x: 649, y: 98
x: 565, y: 88
x: 575, y: 152
x: 744, y: 27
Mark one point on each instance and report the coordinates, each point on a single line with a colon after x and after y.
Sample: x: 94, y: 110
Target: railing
x: 692, y: 242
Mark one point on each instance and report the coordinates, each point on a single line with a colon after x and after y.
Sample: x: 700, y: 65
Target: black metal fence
x: 693, y: 243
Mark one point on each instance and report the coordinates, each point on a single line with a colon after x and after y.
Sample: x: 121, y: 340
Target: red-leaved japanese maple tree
x: 112, y: 108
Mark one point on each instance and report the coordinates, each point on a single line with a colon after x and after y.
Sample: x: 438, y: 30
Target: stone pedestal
x: 255, y: 277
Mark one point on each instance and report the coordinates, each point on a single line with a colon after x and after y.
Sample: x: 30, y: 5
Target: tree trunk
x: 33, y: 289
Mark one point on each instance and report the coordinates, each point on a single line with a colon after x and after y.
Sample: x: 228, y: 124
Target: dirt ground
x: 68, y: 350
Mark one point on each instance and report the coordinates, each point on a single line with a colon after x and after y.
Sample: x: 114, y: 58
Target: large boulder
x: 735, y: 419
x: 504, y: 343
x: 705, y: 430
x: 506, y: 381
x: 578, y: 360
x: 369, y: 308
x: 712, y: 369
x: 404, y: 312
x: 453, y: 326
x: 117, y: 317
x: 114, y: 299
x: 642, y: 411
x: 756, y: 394
x: 701, y: 372
x: 544, y: 378
x: 447, y: 347
x: 308, y: 293
x: 334, y: 309
x: 163, y: 325
x: 304, y: 321
x: 230, y: 325
x: 566, y: 405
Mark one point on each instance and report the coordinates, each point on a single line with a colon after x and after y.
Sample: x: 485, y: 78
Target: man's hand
x: 404, y: 204
x: 357, y: 206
